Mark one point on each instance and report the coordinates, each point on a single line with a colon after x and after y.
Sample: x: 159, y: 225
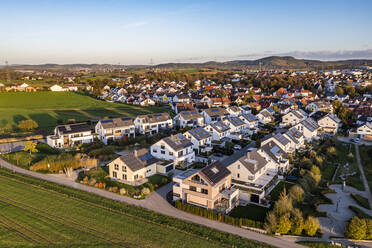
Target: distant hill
x: 272, y: 62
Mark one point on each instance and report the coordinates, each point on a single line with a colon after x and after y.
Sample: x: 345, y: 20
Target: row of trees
x: 286, y: 218
x: 359, y: 228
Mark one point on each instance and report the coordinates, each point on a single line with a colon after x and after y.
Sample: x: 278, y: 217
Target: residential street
x: 156, y: 202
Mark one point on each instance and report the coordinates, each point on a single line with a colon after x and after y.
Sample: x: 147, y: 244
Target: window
x: 180, y: 153
x: 162, y: 152
x: 192, y: 188
x: 135, y: 177
x: 124, y: 169
x: 204, y: 191
x: 238, y: 175
x: 162, y: 146
x: 170, y: 153
x: 116, y: 166
x: 238, y: 166
x: 114, y: 174
x: 124, y: 177
x: 154, y: 151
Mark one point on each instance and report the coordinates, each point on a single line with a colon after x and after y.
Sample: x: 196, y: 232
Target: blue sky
x: 133, y: 32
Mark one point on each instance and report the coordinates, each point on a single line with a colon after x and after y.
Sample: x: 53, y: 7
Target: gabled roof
x: 249, y: 117
x: 73, y: 128
x: 177, y: 142
x: 220, y: 126
x: 138, y: 159
x: 216, y: 112
x: 199, y: 133
x: 281, y: 139
x: 153, y: 118
x: 310, y: 124
x: 274, y: 151
x: 236, y: 121
x: 117, y: 122
x: 253, y: 161
x: 214, y: 173
x: 188, y: 115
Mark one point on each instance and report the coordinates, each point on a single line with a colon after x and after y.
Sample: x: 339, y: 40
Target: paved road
x: 237, y: 154
x: 364, y: 179
x: 157, y: 203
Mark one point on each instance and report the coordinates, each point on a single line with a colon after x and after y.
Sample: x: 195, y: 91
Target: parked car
x: 237, y: 147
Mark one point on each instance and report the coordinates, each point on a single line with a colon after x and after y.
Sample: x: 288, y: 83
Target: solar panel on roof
x: 214, y: 110
x: 146, y: 157
x: 157, y: 115
x: 126, y: 118
x: 106, y: 121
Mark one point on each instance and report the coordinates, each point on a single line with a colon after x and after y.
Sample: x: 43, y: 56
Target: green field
x: 47, y: 107
x: 36, y: 213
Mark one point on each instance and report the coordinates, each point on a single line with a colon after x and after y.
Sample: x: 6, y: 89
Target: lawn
x: 317, y: 244
x: 275, y: 193
x: 46, y: 107
x: 36, y: 213
x: 366, y: 159
x: 362, y: 201
x: 251, y: 211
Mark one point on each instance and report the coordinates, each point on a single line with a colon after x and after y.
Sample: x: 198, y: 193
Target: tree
x: 339, y: 91
x: 297, y: 222
x: 356, y: 229
x: 27, y: 125
x: 369, y: 229
x: 284, y: 224
x: 271, y: 222
x: 30, y: 146
x: 311, y: 225
x: 296, y: 193
x: 315, y: 174
x: 283, y: 205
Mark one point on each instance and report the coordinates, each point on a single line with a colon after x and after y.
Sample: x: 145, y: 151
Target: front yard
x: 99, y: 177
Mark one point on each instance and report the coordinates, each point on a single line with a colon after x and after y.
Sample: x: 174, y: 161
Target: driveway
x: 156, y: 202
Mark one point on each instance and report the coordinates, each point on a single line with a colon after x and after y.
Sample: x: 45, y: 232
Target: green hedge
x: 217, y: 216
x: 140, y: 213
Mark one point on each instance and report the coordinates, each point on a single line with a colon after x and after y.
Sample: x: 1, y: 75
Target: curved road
x: 156, y: 202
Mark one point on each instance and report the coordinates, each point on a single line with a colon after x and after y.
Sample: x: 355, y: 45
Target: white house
x: 115, y: 129
x: 236, y: 124
x: 292, y: 118
x: 264, y: 116
x: 212, y: 115
x: 57, y: 88
x: 296, y: 139
x: 200, y: 138
x: 280, y: 140
x: 219, y: 130
x: 70, y: 135
x: 152, y: 123
x: 175, y: 148
x: 328, y: 122
x: 309, y: 128
x: 189, y: 119
x: 276, y: 157
x: 134, y: 167
x: 234, y: 110
x: 365, y: 131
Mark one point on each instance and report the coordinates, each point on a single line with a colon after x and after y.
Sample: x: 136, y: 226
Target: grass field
x: 251, y: 211
x: 36, y: 213
x: 366, y: 159
x: 47, y: 107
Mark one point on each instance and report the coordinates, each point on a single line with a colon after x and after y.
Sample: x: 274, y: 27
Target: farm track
x: 109, y: 209
x: 15, y: 223
x: 67, y: 223
x: 22, y: 234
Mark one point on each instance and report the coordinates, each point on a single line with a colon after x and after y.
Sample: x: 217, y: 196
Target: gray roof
x: 177, y: 142
x: 294, y: 135
x: 138, y: 159
x: 214, y: 173
x: 274, y: 151
x: 282, y: 140
x: 189, y: 115
x: 253, y: 161
x: 310, y: 124
x: 216, y: 112
x: 73, y: 128
x: 236, y: 121
x: 117, y: 122
x: 199, y: 133
x: 249, y: 117
x: 296, y: 113
x: 153, y: 118
x: 220, y: 126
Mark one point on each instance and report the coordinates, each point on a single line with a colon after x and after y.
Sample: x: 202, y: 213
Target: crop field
x: 36, y: 213
x: 47, y: 107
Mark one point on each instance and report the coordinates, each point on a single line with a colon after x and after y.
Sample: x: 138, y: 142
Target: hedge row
x: 140, y: 213
x: 217, y: 216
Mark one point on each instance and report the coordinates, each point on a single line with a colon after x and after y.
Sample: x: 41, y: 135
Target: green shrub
x: 45, y: 148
